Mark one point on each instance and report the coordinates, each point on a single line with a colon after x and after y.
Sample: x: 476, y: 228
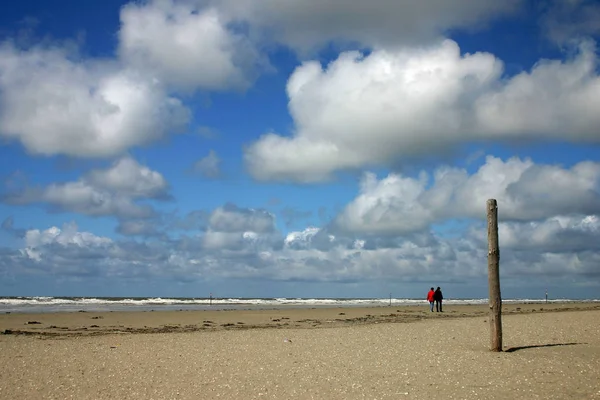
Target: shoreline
x: 92, y: 323
x: 39, y: 305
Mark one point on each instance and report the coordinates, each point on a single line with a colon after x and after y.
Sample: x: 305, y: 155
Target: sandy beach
x: 551, y: 351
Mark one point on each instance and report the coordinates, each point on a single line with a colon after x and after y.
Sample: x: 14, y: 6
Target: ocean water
x: 78, y: 304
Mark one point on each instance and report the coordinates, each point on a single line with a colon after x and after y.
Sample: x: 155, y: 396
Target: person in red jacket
x: 430, y: 299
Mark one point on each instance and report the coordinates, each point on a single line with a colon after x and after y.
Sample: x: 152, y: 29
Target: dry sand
x: 552, y: 351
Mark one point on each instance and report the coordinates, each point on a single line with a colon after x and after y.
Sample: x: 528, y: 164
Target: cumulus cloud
x: 311, y: 237
x: 555, y: 100
x: 403, y: 104
x: 111, y: 192
x: 69, y: 234
x: 306, y: 25
x: 208, y: 166
x: 565, y: 20
x: 525, y: 191
x: 378, y: 236
x: 37, y: 242
x: 129, y: 178
x: 82, y: 197
x: 54, y: 103
x: 232, y: 227
x: 390, y: 205
x: 223, y: 256
x: 230, y: 218
x: 560, y: 234
x: 186, y: 46
x: 558, y: 247
x: 412, y: 259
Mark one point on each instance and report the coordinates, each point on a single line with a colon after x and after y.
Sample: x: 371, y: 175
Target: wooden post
x: 494, y: 277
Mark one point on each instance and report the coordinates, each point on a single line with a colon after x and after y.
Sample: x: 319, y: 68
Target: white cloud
x: 311, y: 237
x: 379, y: 236
x: 397, y: 105
x: 185, y: 46
x: 69, y: 234
x: 390, y: 205
x: 234, y: 228
x: 230, y: 218
x: 302, y: 238
x: 83, y: 198
x: 548, y: 250
x: 215, y: 240
x: 306, y: 25
x: 53, y: 104
x: 556, y: 100
x: 553, y: 235
x: 565, y: 20
x: 208, y: 166
x: 228, y: 228
x: 525, y: 191
x: 129, y: 178
x: 36, y: 240
x: 110, y: 192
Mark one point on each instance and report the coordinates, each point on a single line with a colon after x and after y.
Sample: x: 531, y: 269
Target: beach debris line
x: 495, y: 298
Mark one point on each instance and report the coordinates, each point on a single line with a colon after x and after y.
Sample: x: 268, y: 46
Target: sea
x: 106, y: 304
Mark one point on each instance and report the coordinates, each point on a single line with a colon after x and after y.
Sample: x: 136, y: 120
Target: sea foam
x: 74, y: 304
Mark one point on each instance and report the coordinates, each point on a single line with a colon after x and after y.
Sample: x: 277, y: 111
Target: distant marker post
x: 210, y: 300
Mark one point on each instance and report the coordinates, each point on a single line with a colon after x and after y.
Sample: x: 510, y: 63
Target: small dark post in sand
x: 494, y: 277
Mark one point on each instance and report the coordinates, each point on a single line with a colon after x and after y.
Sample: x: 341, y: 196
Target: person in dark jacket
x: 438, y: 297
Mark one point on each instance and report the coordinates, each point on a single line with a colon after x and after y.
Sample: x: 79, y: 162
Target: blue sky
x: 304, y: 148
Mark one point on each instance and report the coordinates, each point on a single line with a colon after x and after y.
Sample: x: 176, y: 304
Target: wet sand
x: 551, y: 351
x: 100, y: 323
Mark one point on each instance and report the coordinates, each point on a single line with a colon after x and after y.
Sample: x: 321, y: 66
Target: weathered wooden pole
x: 494, y: 277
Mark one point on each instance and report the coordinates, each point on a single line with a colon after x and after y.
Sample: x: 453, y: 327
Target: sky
x: 302, y: 148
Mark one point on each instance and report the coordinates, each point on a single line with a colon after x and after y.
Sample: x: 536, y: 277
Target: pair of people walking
x: 435, y: 297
